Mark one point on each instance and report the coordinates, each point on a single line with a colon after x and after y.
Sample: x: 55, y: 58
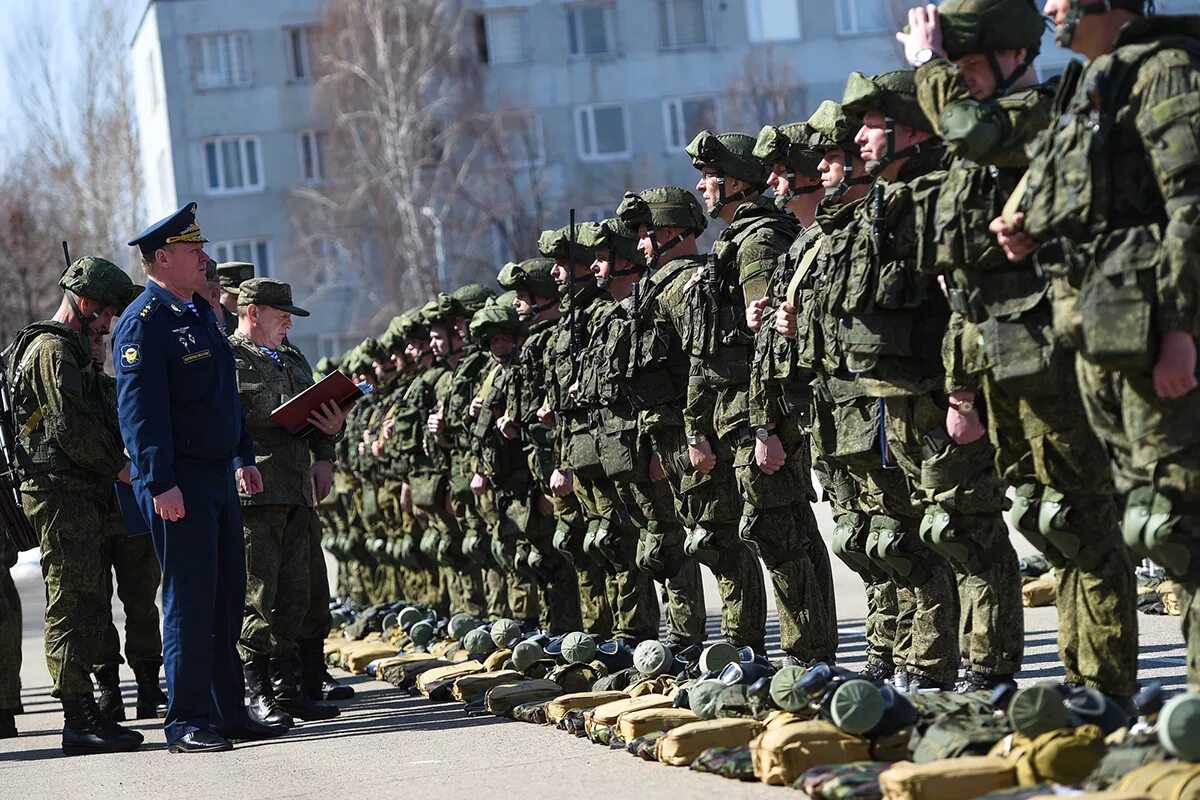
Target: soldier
x: 793, y: 176
x: 1114, y: 182
x: 10, y: 642
x: 988, y: 106
x: 68, y: 459
x: 230, y: 276
x: 776, y: 520
x: 282, y: 534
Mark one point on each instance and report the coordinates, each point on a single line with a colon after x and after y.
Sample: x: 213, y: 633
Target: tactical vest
x: 814, y: 286
x: 656, y: 370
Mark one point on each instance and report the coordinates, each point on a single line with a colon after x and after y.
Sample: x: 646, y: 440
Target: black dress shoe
x: 250, y: 730
x: 200, y: 742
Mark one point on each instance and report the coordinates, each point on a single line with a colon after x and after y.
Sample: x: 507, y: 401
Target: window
x: 863, y: 16
x: 331, y: 262
x: 773, y: 20
x: 313, y: 146
x: 299, y: 52
x: 683, y: 23
x: 601, y: 132
x: 231, y: 163
x: 502, y: 39
x: 521, y: 140
x: 684, y: 117
x: 221, y: 61
x: 590, y: 29
x: 254, y: 251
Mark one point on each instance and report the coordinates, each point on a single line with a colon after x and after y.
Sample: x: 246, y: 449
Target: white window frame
x: 758, y: 32
x: 306, y: 34
x: 575, y: 28
x: 672, y: 111
x: 519, y: 14
x: 224, y: 251
x: 242, y: 142
x: 585, y: 149
x: 674, y: 45
x: 320, y: 141
x: 201, y: 46
x: 850, y: 27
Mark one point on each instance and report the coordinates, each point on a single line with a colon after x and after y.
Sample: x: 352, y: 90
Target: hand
x: 562, y: 482
x: 769, y: 455
x: 322, y: 479
x: 476, y: 407
x: 924, y: 32
x: 389, y: 425
x: 1016, y: 244
x: 435, y: 424
x: 963, y: 428
x: 169, y: 505
x: 785, y: 320
x: 479, y: 484
x: 657, y: 473
x: 755, y: 312
x: 377, y: 448
x: 1175, y: 370
x: 362, y: 448
x: 327, y: 418
x: 509, y: 428
x: 123, y: 475
x: 942, y: 285
x: 406, y: 498
x: 701, y: 456
x: 249, y: 480
x: 545, y: 416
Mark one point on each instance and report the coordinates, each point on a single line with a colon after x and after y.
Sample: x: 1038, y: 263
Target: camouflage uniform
x: 1115, y: 182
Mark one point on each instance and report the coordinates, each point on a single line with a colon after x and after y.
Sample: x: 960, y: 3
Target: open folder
x: 336, y: 387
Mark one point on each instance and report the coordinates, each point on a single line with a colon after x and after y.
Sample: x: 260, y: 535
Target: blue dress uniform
x: 182, y: 424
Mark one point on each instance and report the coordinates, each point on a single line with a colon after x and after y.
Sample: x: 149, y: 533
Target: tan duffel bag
x: 439, y: 674
x: 472, y: 687
x: 501, y: 700
x: 356, y: 658
x: 680, y: 746
x: 576, y: 700
x: 949, y: 779
x: 1040, y: 592
x: 783, y: 753
x: 496, y: 660
x: 635, y: 724
x: 607, y: 715
x: 1164, y: 780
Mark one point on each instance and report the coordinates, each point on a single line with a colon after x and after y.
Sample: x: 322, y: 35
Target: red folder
x: 336, y: 387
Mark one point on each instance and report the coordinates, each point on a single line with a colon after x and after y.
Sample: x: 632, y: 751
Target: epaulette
x: 149, y: 308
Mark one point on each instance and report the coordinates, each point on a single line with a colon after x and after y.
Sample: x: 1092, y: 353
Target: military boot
x: 85, y: 731
x: 151, y: 702
x: 261, y: 704
x: 973, y: 681
x: 8, y: 724
x: 110, y: 703
x: 109, y: 725
x: 315, y: 680
x: 296, y: 702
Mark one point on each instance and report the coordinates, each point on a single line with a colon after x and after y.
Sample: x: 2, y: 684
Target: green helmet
x: 894, y: 94
x: 982, y: 26
x: 505, y: 632
x: 832, y: 129
x: 478, y: 642
x: 788, y: 145
x: 703, y: 697
x: 652, y: 658
x: 444, y: 310
x: 526, y: 654
x: 421, y: 633
x: 556, y: 244
x: 494, y: 319
x: 730, y: 155
x: 473, y: 296
x: 856, y: 707
x: 98, y: 280
x: 1179, y: 726
x: 325, y: 365
x: 372, y: 349
x: 531, y: 275
x: 578, y: 648
x: 663, y: 207
x: 786, y: 691
x: 1037, y: 709
x: 620, y: 241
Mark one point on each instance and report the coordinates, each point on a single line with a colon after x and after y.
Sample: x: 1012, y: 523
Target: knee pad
x: 771, y: 535
x: 566, y: 542
x: 1064, y: 539
x: 939, y: 532
x: 533, y: 560
x: 1149, y: 528
x: 701, y: 544
x: 885, y: 549
x: 1026, y: 510
x: 503, y: 553
x: 600, y: 546
x: 848, y: 544
x: 659, y: 553
x: 406, y: 548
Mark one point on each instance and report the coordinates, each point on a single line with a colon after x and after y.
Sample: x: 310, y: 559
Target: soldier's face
x: 439, y: 340
x: 977, y: 70
x: 272, y: 324
x: 523, y: 303
x: 602, y: 266
x: 185, y: 265
x: 778, y: 180
x: 501, y: 346
x: 872, y: 137
x: 707, y: 186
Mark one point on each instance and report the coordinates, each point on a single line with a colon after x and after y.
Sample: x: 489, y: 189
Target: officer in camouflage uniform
x: 10, y: 642
x: 667, y: 221
x: 68, y: 459
x: 282, y: 533
x: 777, y: 519
x: 988, y: 108
x: 538, y: 515
x: 1115, y: 182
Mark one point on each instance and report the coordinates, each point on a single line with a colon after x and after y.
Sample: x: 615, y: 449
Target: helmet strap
x: 1003, y: 84
x: 659, y: 249
x: 85, y: 320
x: 724, y: 199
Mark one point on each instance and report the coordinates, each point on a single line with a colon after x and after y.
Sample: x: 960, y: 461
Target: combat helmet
x: 473, y: 296
x: 663, y: 207
x: 620, y: 241
x: 493, y: 319
x: 831, y: 128
x: 729, y: 155
x: 789, y: 145
x: 894, y: 94
x: 98, y: 280
x: 533, y: 276
x: 989, y: 26
x: 556, y: 244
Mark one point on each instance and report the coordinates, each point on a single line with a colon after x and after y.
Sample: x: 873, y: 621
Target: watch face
x: 762, y: 434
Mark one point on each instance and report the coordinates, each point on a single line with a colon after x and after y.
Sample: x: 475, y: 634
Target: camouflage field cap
x: 532, y: 275
x: 1179, y: 726
x: 832, y: 129
x: 652, y: 658
x: 421, y: 633
x: 985, y: 26
x: 556, y: 244
x: 856, y: 706
x: 408, y: 617
x: 269, y: 292
x: 716, y: 656
x: 478, y: 642
x: 473, y: 296
x: 492, y: 320
x: 459, y: 625
x: 232, y: 274
x: 729, y: 154
x: 663, y: 207
x: 894, y: 94
x: 578, y: 648
x: 1037, y: 709
x: 786, y: 690
x: 505, y: 632
x: 99, y: 280
x: 704, y: 697
x: 788, y: 145
x: 526, y: 654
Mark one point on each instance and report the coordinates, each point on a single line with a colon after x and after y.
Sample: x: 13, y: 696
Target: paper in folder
x: 336, y: 387
x: 131, y: 514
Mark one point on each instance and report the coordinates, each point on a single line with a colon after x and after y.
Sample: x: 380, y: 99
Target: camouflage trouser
x: 72, y: 524
x: 461, y: 580
x: 512, y: 593
x: 712, y: 502
x: 963, y: 502
x: 137, y: 578
x: 556, y: 578
x: 358, y: 576
x: 277, y: 578
x: 572, y: 513
x: 1154, y: 447
x: 778, y: 524
x: 10, y: 631
x: 1045, y: 450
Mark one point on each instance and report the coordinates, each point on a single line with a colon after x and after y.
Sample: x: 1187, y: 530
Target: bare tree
x: 28, y: 248
x: 767, y: 90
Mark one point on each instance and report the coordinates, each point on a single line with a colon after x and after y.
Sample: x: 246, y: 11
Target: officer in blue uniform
x: 183, y: 427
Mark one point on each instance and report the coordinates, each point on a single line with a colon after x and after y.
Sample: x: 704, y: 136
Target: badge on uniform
x: 131, y: 356
x: 185, y: 337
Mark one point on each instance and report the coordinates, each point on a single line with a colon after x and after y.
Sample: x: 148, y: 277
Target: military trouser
x: 10, y: 630
x: 1154, y: 447
x: 72, y: 523
x: 278, y: 549
x: 581, y: 518
x: 712, y: 510
x: 520, y: 593
x: 554, y: 575
x: 358, y: 577
x: 963, y: 522
x: 1065, y: 506
x: 460, y: 579
x: 778, y: 525
x: 137, y: 578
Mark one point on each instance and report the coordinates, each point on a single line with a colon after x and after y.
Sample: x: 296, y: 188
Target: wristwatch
x: 696, y: 441
x: 964, y: 407
x: 923, y: 57
x: 762, y: 433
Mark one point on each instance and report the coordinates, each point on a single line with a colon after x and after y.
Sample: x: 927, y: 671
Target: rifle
x: 877, y: 214
x: 66, y: 254
x: 573, y: 346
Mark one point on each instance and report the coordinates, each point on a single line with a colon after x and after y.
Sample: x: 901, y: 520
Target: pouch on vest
x: 866, y: 337
x: 428, y: 491
x: 1118, y: 298
x: 582, y: 453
